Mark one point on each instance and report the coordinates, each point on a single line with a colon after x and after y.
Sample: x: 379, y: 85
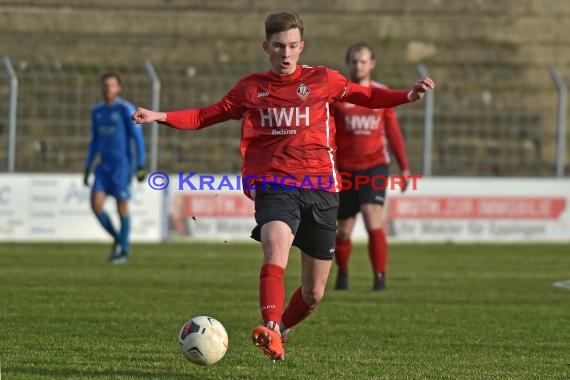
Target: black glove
x: 86, y: 176
x: 141, y: 173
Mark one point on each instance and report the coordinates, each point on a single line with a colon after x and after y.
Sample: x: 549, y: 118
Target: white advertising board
x: 482, y: 210
x: 220, y: 213
x: 438, y: 210
x: 56, y: 207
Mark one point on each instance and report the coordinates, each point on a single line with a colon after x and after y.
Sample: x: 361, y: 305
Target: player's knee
x: 96, y: 207
x: 123, y: 211
x: 343, y: 234
x: 372, y: 215
x: 274, y: 253
x: 312, y: 295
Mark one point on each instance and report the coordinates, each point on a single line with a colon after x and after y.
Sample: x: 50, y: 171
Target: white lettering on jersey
x: 360, y: 123
x: 298, y: 116
x: 284, y: 113
x: 265, y: 117
x: 283, y: 131
x: 283, y: 117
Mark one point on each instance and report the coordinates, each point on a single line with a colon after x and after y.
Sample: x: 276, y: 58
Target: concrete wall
x: 488, y: 56
x: 528, y: 32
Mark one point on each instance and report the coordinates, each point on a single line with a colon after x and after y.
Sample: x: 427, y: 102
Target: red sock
x: 378, y: 250
x: 342, y: 252
x: 297, y: 310
x: 271, y: 292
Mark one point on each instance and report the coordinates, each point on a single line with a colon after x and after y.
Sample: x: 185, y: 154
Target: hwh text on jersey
x: 284, y: 117
x: 362, y: 122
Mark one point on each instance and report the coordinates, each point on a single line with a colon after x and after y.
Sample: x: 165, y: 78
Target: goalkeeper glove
x: 86, y: 176
x: 141, y: 174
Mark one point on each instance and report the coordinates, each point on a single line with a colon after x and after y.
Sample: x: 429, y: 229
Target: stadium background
x: 453, y: 311
x: 497, y: 110
x: 495, y: 106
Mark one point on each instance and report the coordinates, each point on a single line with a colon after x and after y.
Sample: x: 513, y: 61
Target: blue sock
x: 105, y: 221
x: 124, y: 236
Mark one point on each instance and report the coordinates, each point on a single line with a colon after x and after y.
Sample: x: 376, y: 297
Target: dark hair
x: 106, y: 76
x: 281, y: 22
x: 357, y: 47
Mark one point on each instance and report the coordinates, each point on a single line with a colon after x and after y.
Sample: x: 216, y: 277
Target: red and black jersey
x: 363, y: 136
x: 287, y: 131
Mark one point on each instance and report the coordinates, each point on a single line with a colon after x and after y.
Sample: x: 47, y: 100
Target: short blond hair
x: 281, y: 22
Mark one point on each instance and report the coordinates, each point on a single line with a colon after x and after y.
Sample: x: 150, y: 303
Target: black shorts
x: 373, y: 192
x: 311, y: 215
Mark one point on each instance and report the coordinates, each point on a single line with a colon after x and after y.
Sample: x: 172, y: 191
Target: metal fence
x: 480, y: 121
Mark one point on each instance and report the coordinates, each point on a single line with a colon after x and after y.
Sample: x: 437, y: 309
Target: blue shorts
x: 113, y: 180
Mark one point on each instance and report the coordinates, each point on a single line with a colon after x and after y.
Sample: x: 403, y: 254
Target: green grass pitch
x: 451, y: 312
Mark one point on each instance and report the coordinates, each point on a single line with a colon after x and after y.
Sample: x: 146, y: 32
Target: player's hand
x: 86, y: 177
x: 421, y: 86
x: 405, y: 174
x: 141, y: 174
x: 143, y: 115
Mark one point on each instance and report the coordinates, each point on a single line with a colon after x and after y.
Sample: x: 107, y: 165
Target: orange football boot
x: 269, y: 341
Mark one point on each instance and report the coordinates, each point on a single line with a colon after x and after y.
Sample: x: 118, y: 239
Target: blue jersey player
x: 113, y: 133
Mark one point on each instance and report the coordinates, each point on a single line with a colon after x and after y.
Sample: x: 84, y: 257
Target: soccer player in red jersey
x: 362, y: 138
x: 287, y: 147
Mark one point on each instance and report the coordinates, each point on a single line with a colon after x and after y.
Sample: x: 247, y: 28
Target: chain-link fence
x: 494, y: 121
x: 489, y: 121
x: 54, y: 112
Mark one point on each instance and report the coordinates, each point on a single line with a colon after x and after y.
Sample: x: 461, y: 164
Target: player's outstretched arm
x: 421, y: 86
x: 196, y: 118
x: 142, y: 116
x: 375, y: 97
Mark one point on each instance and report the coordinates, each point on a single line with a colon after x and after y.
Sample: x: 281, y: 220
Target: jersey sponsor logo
x: 262, y: 94
x: 284, y: 117
x: 359, y: 123
x: 106, y: 129
x: 283, y: 132
x: 303, y: 91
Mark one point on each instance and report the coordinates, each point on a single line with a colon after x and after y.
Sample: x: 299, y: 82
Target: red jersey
x: 287, y: 133
x: 363, y: 136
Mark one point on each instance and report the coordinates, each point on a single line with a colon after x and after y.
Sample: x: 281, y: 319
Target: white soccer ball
x: 203, y: 340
